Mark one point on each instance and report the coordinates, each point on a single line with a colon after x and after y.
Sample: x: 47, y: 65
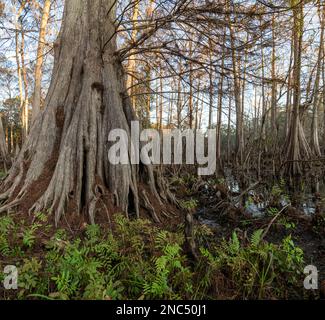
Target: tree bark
x: 211, y: 93
x: 190, y: 104
x: 25, y: 82
x: 4, y: 155
x: 274, y: 85
x: 179, y: 97
x: 18, y: 27
x: 63, y: 166
x: 237, y: 95
x: 296, y: 146
x: 39, y: 60
x: 220, y: 101
x: 316, y: 96
x: 131, y: 68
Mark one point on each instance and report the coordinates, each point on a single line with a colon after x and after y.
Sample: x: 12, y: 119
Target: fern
x: 161, y: 238
x: 137, y: 260
x: 234, y: 245
x: 29, y: 235
x: 29, y: 238
x: 40, y: 216
x: 272, y: 211
x: 4, y: 246
x: 92, y: 233
x: 6, y: 223
x: 256, y: 238
x: 189, y: 204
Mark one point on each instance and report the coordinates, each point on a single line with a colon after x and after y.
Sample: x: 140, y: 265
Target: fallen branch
x: 272, y: 221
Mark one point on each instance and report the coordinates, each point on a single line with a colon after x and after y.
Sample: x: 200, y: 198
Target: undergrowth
x: 138, y: 260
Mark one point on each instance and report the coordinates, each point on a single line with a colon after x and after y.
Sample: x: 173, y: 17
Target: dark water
x: 306, y: 196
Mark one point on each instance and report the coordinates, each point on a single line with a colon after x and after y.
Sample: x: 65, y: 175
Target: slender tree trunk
x: 237, y: 96
x: 25, y: 81
x: 264, y: 107
x: 149, y: 15
x: 39, y: 60
x: 132, y: 60
x: 161, y: 105
x: 316, y: 96
x: 179, y: 97
x: 323, y: 98
x: 296, y: 145
x: 170, y: 110
x: 274, y: 83
x: 220, y: 101
x: 190, y: 105
x: 4, y: 155
x: 157, y: 106
x: 210, y: 86
x: 200, y: 114
x: 197, y: 105
x: 148, y: 98
x: 12, y: 145
x: 289, y: 92
x: 19, y: 69
x: 243, y: 86
x: 6, y: 136
x: 228, y: 132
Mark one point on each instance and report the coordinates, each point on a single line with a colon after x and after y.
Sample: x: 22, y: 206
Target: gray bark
x: 4, y: 155
x: 39, y: 60
x: 67, y: 148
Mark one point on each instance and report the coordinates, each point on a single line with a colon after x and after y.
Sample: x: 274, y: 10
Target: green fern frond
x: 256, y: 238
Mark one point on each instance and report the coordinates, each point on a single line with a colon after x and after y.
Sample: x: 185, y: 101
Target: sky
x: 7, y: 48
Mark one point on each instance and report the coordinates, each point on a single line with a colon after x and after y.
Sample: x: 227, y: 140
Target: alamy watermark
x: 10, y: 281
x: 151, y: 146
x: 311, y: 280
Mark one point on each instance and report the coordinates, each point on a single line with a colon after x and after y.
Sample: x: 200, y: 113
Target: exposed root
x: 63, y: 166
x: 147, y: 205
x: 190, y: 245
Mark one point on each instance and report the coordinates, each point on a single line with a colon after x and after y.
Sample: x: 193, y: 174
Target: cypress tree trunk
x: 4, y: 155
x: 63, y: 165
x: 314, y: 127
x: 39, y: 59
x: 296, y: 146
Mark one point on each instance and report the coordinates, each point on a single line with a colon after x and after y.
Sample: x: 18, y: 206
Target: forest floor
x: 308, y: 230
x: 225, y: 208
x: 250, y: 246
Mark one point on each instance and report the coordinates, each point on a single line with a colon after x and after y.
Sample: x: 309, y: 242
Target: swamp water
x: 305, y: 196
